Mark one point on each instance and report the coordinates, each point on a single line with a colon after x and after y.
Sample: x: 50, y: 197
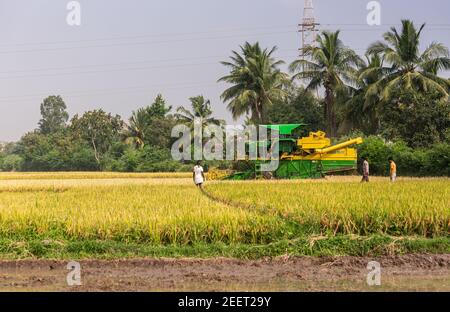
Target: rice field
x: 166, y: 209
x: 345, y: 206
x: 156, y: 211
x: 88, y: 175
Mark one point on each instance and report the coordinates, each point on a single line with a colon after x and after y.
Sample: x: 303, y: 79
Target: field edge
x: 316, y: 246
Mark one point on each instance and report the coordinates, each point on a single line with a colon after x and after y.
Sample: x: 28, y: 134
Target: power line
x: 121, y: 44
x: 143, y: 36
x: 124, y: 63
x: 100, y: 65
x: 130, y: 89
x: 143, y: 43
x: 228, y: 30
x: 378, y: 29
x: 113, y: 70
x: 383, y: 25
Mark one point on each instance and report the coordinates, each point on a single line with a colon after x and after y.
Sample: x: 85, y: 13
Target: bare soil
x: 399, y: 273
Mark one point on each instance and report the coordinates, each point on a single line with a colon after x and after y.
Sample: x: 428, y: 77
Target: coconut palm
x: 201, y: 109
x: 200, y: 115
x: 257, y: 82
x: 145, y: 122
x: 361, y: 111
x: 134, y: 131
x: 405, y: 68
x: 330, y: 65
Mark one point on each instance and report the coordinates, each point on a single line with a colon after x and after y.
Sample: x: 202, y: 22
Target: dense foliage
x: 433, y: 161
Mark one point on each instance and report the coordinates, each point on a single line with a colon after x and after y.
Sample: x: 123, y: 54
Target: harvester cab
x: 303, y: 158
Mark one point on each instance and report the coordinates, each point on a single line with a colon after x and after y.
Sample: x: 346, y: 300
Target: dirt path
x: 406, y: 273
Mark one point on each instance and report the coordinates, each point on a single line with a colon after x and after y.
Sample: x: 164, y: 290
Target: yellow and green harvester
x: 302, y: 158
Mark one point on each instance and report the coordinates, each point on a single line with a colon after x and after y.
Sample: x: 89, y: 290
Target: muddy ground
x: 399, y: 273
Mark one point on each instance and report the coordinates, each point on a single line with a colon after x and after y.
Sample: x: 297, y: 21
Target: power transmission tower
x: 308, y: 27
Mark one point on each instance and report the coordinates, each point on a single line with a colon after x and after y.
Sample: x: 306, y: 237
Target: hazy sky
x: 126, y: 52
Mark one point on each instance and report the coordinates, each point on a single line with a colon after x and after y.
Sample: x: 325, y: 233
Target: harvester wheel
x: 268, y: 175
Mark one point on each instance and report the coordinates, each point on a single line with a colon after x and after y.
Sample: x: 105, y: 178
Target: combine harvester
x: 302, y: 158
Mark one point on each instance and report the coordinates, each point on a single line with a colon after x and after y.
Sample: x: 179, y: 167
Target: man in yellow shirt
x: 393, y: 170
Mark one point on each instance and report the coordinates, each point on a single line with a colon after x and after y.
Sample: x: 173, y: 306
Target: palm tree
x: 331, y: 65
x: 134, y: 131
x: 406, y: 68
x: 144, y: 122
x: 361, y: 111
x: 201, y: 109
x: 201, y: 112
x: 257, y: 82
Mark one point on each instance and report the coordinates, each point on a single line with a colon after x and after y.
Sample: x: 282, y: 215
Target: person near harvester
x: 392, y: 170
x: 366, y: 170
x: 199, y: 175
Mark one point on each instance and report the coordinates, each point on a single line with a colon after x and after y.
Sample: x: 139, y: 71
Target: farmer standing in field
x: 366, y: 170
x: 393, y: 170
x: 198, y: 175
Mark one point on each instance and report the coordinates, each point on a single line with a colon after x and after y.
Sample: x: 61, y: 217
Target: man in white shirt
x: 198, y: 175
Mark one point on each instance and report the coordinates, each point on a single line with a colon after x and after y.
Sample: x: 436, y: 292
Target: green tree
x: 134, y: 133
x: 421, y: 120
x: 159, y: 133
x: 54, y: 115
x: 405, y: 68
x: 98, y: 129
x: 149, y: 125
x: 361, y: 112
x: 60, y: 151
x: 201, y: 109
x: 11, y: 162
x: 300, y: 107
x: 159, y: 108
x: 408, y: 95
x: 200, y: 112
x: 331, y: 65
x: 33, y: 147
x: 257, y: 82
x: 7, y: 148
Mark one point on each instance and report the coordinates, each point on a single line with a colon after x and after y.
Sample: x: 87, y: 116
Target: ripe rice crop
x: 89, y: 175
x: 153, y: 211
x: 171, y: 211
x: 345, y: 206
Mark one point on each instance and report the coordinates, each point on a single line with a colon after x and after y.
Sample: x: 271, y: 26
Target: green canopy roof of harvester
x: 284, y: 129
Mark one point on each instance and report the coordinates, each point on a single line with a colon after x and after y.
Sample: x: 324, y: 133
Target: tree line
x: 395, y: 97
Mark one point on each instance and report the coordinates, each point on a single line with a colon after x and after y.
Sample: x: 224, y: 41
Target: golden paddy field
x: 166, y: 209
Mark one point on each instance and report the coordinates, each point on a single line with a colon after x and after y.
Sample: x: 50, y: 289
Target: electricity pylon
x: 308, y: 27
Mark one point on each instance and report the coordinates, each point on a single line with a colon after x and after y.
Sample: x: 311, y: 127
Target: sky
x: 126, y: 52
